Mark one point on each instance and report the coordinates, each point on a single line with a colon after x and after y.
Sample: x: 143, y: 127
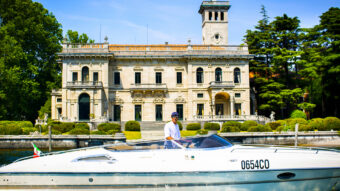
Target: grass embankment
x: 132, y: 135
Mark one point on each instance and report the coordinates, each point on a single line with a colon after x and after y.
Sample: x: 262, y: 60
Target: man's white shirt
x: 172, y: 130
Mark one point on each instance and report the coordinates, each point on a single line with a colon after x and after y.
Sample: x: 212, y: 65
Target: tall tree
x: 73, y: 37
x: 275, y: 46
x: 30, y: 39
x: 321, y: 62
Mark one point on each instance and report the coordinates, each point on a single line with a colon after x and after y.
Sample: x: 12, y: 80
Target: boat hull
x: 294, y: 179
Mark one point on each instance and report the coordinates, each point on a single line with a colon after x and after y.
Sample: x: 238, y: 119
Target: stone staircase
x: 152, y: 130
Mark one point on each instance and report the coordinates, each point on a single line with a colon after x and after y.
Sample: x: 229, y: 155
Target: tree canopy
x: 291, y: 62
x: 30, y: 39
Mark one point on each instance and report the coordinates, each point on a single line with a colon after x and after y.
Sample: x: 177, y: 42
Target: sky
x: 172, y: 21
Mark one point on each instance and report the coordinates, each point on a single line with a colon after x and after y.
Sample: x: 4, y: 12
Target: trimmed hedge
x: 15, y: 127
x: 106, y: 127
x: 298, y: 114
x: 247, y: 124
x: 212, y: 126
x: 202, y: 132
x: 180, y: 125
x: 231, y: 126
x: 132, y: 126
x: 260, y: 128
x: 98, y: 133
x: 61, y: 126
x: 332, y: 123
x: 82, y: 126
x: 79, y: 131
x: 273, y: 125
x: 193, y: 126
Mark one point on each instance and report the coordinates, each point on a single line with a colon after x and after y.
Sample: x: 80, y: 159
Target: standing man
x: 171, y: 129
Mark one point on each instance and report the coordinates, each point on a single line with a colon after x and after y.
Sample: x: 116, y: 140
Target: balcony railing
x: 155, y: 86
x: 258, y: 118
x: 221, y: 84
x: 85, y: 84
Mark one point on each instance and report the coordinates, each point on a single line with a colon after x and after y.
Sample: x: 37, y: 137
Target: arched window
x: 199, y: 75
x: 85, y: 74
x: 237, y: 75
x: 218, y: 75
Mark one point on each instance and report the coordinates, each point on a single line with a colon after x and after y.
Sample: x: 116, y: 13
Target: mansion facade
x: 108, y: 82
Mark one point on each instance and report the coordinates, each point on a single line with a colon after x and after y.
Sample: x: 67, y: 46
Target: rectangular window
x: 200, y: 95
x: 179, y: 110
x: 117, y: 78
x: 116, y: 113
x: 159, y: 113
x: 59, y: 99
x: 179, y: 77
x: 158, y: 77
x: 137, y: 78
x: 210, y: 16
x: 75, y: 76
x: 237, y: 95
x: 238, y: 109
x: 138, y: 113
x: 222, y: 16
x: 216, y: 16
x: 200, y: 109
x: 95, y: 76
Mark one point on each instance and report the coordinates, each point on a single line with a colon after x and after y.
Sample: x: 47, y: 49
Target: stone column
x: 232, y: 103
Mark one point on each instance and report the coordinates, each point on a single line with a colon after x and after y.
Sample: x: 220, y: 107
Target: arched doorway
x: 222, y: 104
x: 84, y: 107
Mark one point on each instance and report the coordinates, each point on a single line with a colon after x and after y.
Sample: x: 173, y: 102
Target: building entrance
x: 84, y: 107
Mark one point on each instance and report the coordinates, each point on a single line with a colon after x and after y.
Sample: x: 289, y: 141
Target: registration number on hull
x: 255, y: 164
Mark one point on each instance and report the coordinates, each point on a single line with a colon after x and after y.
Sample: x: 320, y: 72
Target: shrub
x: 109, y: 127
x: 332, y: 123
x: 232, y: 123
x: 305, y: 127
x: 298, y: 114
x: 98, y: 133
x: 193, y: 126
x: 180, y: 125
x: 82, y: 126
x: 260, y: 128
x: 212, y: 126
x: 230, y: 128
x: 62, y: 127
x: 132, y: 126
x: 317, y: 124
x: 247, y: 124
x: 28, y: 130
x: 14, y: 127
x: 79, y: 131
x: 55, y: 132
x: 202, y: 132
x: 273, y: 125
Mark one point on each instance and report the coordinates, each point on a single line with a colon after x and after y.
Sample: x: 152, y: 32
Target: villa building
x: 110, y: 82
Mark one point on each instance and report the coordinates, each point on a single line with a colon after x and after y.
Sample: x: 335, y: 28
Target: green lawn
x: 188, y: 133
x: 131, y: 135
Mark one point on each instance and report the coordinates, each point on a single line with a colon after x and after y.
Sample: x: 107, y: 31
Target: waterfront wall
x: 320, y: 138
x: 58, y: 141
x: 328, y: 138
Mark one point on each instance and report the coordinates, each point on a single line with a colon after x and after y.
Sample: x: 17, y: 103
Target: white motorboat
x: 195, y: 163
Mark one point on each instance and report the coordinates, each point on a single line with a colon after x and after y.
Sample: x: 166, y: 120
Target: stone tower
x: 214, y: 22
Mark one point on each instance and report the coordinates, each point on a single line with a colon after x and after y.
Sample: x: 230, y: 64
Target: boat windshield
x: 203, y: 142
